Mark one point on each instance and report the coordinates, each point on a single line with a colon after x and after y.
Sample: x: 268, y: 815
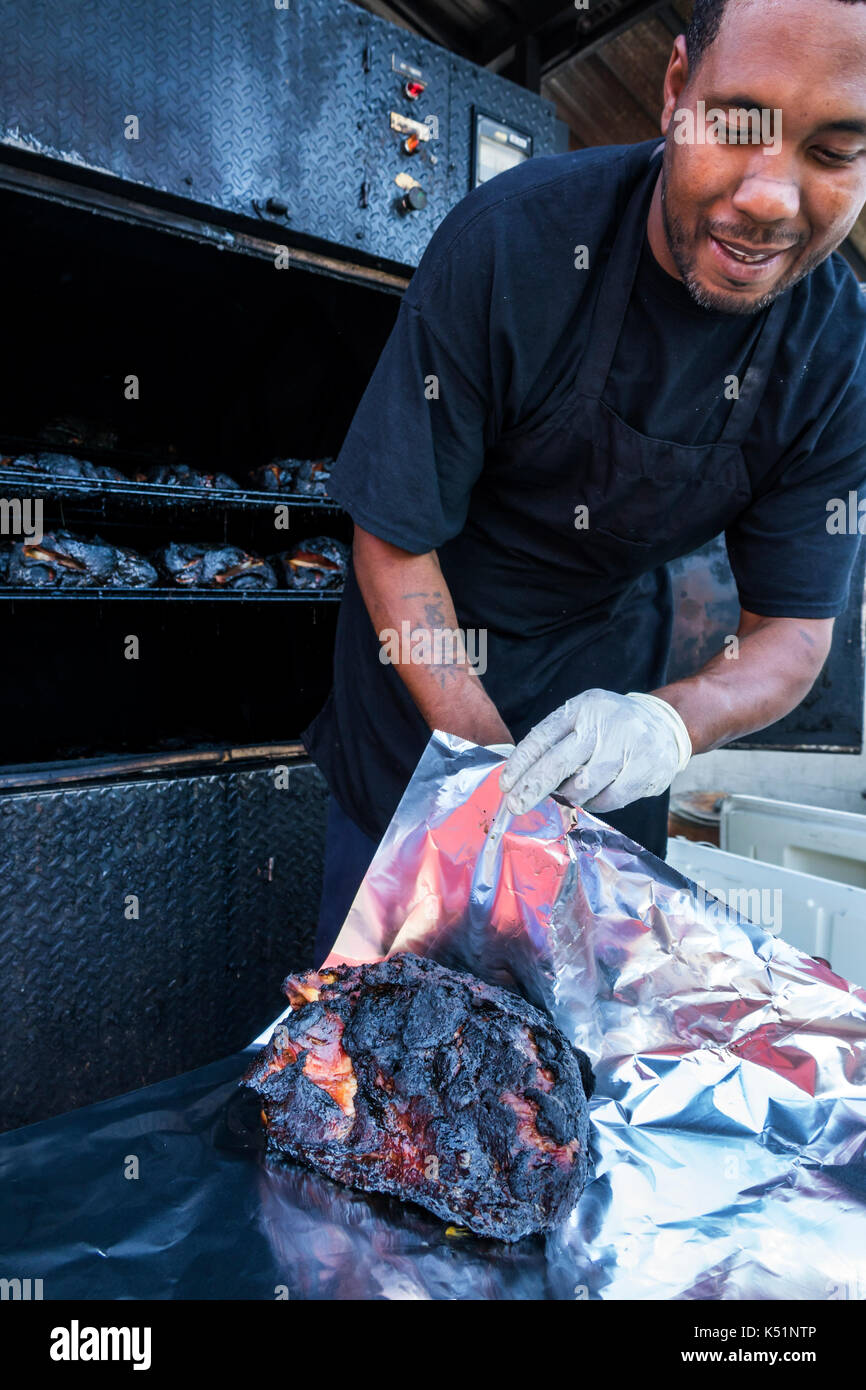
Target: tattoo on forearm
x: 434, y: 614
x: 448, y: 674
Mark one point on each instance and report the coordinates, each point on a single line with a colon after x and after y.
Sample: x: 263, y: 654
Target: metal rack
x: 94, y: 494
x: 13, y: 595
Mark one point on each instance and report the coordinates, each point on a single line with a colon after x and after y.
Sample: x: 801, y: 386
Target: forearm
x: 401, y: 588
x: 776, y: 664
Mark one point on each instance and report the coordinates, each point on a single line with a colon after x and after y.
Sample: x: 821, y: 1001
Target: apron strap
x: 609, y: 315
x: 617, y: 282
x: 744, y: 408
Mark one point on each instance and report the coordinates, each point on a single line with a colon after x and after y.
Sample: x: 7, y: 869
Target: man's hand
x: 599, y: 749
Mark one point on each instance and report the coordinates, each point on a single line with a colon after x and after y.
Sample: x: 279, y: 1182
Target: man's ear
x: 676, y: 77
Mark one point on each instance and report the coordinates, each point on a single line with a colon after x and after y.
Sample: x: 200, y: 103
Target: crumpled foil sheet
x: 729, y: 1120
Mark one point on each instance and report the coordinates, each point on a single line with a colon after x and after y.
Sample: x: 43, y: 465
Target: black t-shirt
x: 689, y: 349
x: 489, y: 323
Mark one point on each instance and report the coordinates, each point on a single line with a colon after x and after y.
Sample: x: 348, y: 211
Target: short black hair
x: 704, y: 26
x: 702, y: 29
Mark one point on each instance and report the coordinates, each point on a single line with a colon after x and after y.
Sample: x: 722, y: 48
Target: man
x: 604, y: 359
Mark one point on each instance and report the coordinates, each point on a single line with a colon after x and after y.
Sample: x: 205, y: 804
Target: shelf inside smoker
x: 135, y: 346
x: 258, y: 531
x: 235, y: 364
x: 124, y: 497
x: 10, y: 595
x: 204, y: 670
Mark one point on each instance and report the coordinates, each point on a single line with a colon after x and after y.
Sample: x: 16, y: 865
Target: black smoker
x: 161, y: 843
x: 161, y: 826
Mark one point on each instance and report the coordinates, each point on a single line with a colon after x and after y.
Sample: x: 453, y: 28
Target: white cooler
x: 811, y: 839
x: 817, y: 915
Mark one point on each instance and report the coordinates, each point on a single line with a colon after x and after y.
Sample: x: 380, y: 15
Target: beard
x: 682, y: 246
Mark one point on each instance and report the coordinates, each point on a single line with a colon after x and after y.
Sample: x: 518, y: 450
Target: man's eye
x: 834, y: 156
x: 740, y: 134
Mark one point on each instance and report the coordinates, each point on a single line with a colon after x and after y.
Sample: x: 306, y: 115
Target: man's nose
x: 767, y: 194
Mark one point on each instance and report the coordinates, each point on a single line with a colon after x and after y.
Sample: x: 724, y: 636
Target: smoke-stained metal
x: 255, y: 112
x: 144, y: 139
x: 145, y: 924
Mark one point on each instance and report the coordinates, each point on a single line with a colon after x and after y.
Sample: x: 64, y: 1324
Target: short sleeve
x: 416, y: 443
x: 477, y: 345
x: 793, y: 550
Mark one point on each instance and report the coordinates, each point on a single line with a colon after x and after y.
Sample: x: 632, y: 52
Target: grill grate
x: 153, y: 496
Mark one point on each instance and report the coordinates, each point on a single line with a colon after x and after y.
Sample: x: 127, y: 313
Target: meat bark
x: 64, y: 561
x: 319, y: 563
x: 181, y: 475
x: 407, y: 1078
x: 193, y: 566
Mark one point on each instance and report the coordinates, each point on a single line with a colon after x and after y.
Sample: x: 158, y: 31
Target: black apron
x: 565, y: 609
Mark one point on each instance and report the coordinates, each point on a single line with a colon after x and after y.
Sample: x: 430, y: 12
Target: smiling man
x: 605, y: 359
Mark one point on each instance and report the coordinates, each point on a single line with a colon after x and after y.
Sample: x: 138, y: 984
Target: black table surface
x: 165, y: 1193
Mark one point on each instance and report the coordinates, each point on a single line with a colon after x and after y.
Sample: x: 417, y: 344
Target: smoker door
x: 145, y: 926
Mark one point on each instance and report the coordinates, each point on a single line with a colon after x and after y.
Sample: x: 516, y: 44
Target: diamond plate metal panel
x: 204, y: 82
x: 322, y: 146
x: 226, y: 869
x: 237, y: 103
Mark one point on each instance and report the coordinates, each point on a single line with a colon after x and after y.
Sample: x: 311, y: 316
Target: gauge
x: 497, y: 147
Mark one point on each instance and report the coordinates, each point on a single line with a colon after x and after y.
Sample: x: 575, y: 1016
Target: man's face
x: 789, y: 202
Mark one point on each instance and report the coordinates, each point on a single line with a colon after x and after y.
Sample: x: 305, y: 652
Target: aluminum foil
x: 727, y: 1127
x: 729, y: 1120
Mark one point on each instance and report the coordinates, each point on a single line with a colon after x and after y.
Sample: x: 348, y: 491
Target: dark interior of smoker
x: 238, y: 363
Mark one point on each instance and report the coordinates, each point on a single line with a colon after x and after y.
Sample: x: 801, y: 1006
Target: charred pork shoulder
x: 307, y: 477
x: 181, y: 475
x: 311, y: 479
x: 192, y: 566
x: 319, y: 563
x: 65, y: 466
x: 278, y: 476
x: 63, y: 561
x: 407, y: 1078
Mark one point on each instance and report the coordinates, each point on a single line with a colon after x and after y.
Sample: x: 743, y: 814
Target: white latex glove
x: 600, y: 750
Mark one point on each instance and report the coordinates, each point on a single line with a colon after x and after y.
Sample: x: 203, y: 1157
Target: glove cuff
x: 673, y: 721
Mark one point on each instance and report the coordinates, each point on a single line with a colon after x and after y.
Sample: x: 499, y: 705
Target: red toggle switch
x: 414, y: 89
